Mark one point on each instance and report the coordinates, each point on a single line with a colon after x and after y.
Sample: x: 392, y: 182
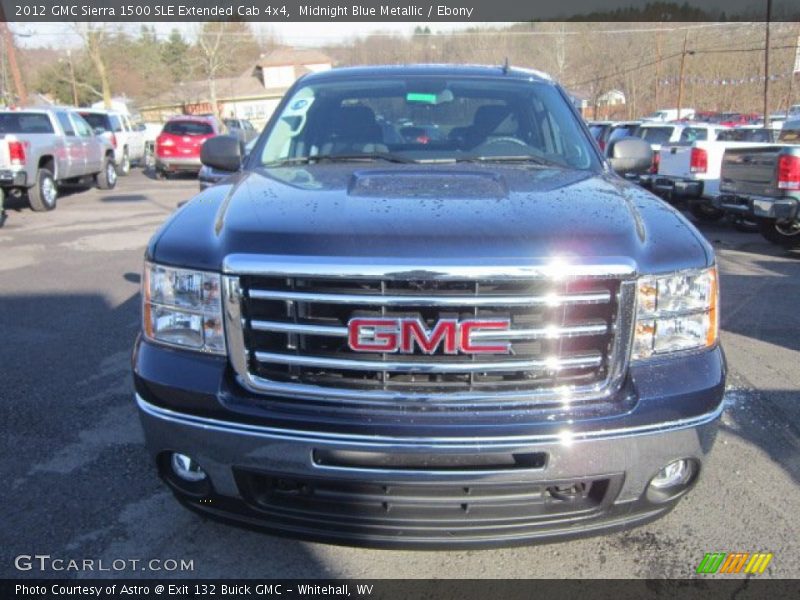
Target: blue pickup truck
x: 484, y: 336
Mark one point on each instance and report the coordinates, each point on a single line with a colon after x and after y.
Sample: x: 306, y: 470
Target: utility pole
x: 766, y: 66
x: 11, y: 53
x: 795, y: 71
x: 680, y: 76
x: 658, y: 69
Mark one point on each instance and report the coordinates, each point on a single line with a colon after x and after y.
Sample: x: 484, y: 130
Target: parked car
x: 622, y: 129
x: 150, y: 132
x: 690, y: 170
x: 42, y: 149
x: 670, y: 114
x: 242, y: 128
x: 127, y: 141
x: 706, y: 116
x: 178, y: 145
x: 763, y: 183
x: 655, y: 134
x: 600, y: 130
x: 608, y: 131
x: 735, y: 119
x: 437, y: 344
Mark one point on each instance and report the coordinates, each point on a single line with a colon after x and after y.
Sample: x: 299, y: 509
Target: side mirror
x: 630, y: 155
x: 223, y: 152
x: 99, y: 131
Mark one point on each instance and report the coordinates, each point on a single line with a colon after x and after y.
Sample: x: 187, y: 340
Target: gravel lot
x: 78, y: 483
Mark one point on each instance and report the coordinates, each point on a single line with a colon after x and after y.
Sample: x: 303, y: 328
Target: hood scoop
x: 421, y: 183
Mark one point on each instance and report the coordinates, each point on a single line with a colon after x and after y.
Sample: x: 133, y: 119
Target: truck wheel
x: 705, y: 213
x: 44, y: 193
x: 780, y: 234
x: 124, y: 167
x: 107, y: 177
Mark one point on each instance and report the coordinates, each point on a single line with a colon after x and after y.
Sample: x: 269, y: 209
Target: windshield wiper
x: 515, y: 158
x: 366, y: 156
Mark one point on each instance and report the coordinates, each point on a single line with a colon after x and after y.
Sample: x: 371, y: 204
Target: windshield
x: 598, y: 131
x: 20, y: 122
x: 97, y: 120
x: 428, y: 120
x: 188, y: 128
x: 746, y: 135
x: 655, y: 135
x: 694, y: 134
x: 621, y: 131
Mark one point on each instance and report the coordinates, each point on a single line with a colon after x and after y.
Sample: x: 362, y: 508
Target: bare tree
x: 95, y: 37
x: 222, y: 48
x: 213, y: 57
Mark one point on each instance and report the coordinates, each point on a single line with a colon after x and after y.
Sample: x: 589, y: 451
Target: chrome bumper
x: 219, y: 446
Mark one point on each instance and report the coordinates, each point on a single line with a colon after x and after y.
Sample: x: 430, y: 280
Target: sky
x: 61, y: 35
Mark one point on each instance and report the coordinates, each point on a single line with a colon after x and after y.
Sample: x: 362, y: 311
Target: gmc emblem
x: 400, y: 335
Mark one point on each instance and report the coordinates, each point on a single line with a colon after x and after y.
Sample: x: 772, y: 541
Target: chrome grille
x: 287, y: 332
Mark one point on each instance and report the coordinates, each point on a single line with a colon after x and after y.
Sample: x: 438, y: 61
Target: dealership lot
x: 78, y: 484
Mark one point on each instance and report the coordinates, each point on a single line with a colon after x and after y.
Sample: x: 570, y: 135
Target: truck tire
x: 705, y: 213
x: 44, y: 193
x: 107, y: 177
x: 781, y: 235
x: 124, y: 166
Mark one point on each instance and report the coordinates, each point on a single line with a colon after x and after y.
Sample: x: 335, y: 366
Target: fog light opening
x: 184, y: 474
x: 186, y: 468
x: 675, y: 473
x: 672, y: 480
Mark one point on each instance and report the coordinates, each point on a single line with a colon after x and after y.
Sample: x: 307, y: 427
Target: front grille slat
x: 432, y: 301
x: 514, y: 334
x: 431, y: 366
x: 568, y: 338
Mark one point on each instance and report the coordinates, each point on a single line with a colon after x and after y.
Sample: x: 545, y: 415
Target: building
x: 253, y: 95
x: 606, y: 105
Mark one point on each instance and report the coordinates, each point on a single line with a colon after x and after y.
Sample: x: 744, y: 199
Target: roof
x: 489, y: 72
x: 227, y: 88
x: 198, y: 118
x: 290, y: 57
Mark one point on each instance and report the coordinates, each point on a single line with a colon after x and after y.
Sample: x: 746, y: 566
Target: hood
x: 428, y: 212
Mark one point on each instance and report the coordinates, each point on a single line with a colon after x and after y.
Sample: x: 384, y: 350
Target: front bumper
x: 279, y: 476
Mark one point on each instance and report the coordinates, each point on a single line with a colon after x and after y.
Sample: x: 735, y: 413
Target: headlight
x: 676, y: 312
x: 183, y: 308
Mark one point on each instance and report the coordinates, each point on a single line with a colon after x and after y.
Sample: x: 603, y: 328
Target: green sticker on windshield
x: 420, y: 97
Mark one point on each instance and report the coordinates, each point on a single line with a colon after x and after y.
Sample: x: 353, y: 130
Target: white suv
x: 127, y: 141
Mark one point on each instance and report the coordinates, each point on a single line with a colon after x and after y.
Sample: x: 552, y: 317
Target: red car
x: 178, y: 145
x: 737, y: 119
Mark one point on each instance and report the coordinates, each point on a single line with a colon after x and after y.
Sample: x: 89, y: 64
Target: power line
x: 675, y: 55
x: 459, y: 33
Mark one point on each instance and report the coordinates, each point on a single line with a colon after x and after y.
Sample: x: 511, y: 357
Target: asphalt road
x: 78, y: 484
